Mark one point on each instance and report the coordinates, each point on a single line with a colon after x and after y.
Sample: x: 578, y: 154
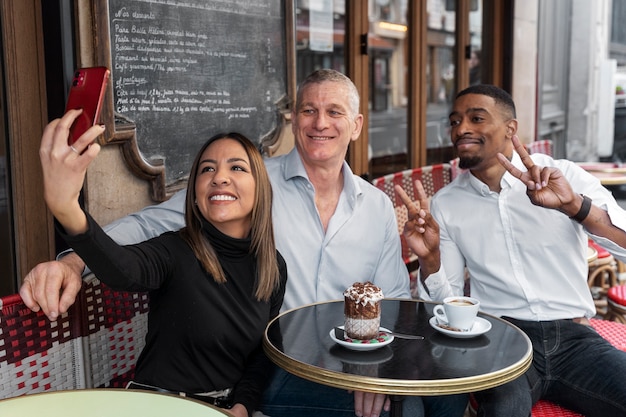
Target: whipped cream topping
x: 364, y: 293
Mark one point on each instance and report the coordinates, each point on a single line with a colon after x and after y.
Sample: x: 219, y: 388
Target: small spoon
x: 341, y: 334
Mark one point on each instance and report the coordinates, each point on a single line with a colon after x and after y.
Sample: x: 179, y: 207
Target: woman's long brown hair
x: 262, y: 232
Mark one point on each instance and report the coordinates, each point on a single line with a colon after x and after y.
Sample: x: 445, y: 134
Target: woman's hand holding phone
x: 67, y: 147
x: 64, y: 169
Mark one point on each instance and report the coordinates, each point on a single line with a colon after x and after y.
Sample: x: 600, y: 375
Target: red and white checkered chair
x: 38, y: 355
x: 543, y: 146
x: 94, y: 345
x: 115, y: 324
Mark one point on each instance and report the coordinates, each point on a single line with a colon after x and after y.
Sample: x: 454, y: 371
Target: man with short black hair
x: 519, y: 225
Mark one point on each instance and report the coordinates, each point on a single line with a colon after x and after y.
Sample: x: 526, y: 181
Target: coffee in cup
x: 457, y: 312
x: 458, y: 302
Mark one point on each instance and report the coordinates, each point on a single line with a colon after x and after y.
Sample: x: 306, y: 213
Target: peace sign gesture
x: 546, y: 186
x: 421, y: 230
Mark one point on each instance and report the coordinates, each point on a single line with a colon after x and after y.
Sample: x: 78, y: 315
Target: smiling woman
x: 229, y: 166
x: 224, y: 186
x: 221, y: 268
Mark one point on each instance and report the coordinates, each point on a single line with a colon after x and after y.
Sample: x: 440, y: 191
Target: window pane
x: 440, y: 78
x: 476, y: 75
x: 320, y: 35
x: 618, y: 29
x: 387, y: 41
x: 8, y: 279
x: 7, y: 272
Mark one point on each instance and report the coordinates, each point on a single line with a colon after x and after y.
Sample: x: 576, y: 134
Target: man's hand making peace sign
x: 546, y: 186
x: 421, y: 230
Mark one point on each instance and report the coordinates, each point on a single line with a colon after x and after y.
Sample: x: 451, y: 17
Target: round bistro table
x: 298, y: 341
x: 106, y: 402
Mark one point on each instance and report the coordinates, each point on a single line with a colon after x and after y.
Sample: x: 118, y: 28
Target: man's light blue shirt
x: 361, y: 244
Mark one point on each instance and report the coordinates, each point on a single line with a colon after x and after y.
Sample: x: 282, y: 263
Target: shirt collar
x: 507, y: 180
x: 295, y: 168
x: 293, y: 165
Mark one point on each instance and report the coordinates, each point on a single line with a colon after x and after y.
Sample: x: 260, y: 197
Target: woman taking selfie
x: 213, y: 285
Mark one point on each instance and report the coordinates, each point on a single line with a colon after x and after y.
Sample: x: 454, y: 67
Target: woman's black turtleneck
x: 202, y: 336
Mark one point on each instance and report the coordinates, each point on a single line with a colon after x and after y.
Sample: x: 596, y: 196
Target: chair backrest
x: 115, y: 324
x: 94, y: 345
x: 38, y: 355
x: 540, y: 146
x: 433, y: 178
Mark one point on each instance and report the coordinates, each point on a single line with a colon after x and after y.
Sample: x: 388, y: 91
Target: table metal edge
x: 396, y: 386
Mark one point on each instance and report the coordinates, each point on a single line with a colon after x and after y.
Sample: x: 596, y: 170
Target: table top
x: 602, y: 166
x: 298, y: 340
x: 610, y: 178
x: 608, y: 173
x: 106, y: 402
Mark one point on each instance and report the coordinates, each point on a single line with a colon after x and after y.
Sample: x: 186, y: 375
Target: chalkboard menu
x: 185, y: 70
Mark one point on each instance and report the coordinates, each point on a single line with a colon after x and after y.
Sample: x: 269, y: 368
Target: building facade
x: 407, y: 58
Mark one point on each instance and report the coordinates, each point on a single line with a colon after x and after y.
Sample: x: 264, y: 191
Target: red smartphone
x: 87, y: 93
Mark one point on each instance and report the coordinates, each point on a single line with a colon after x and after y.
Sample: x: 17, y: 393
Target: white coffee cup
x: 457, y: 312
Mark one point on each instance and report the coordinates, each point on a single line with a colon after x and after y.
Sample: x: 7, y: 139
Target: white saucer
x: 383, y: 340
x: 480, y: 326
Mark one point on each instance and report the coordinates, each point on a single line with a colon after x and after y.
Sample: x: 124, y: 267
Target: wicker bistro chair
x: 38, y: 355
x: 602, y: 276
x: 616, y: 307
x: 115, y: 324
x: 433, y: 178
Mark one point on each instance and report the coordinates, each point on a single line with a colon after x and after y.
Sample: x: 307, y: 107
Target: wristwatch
x: 584, y: 210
